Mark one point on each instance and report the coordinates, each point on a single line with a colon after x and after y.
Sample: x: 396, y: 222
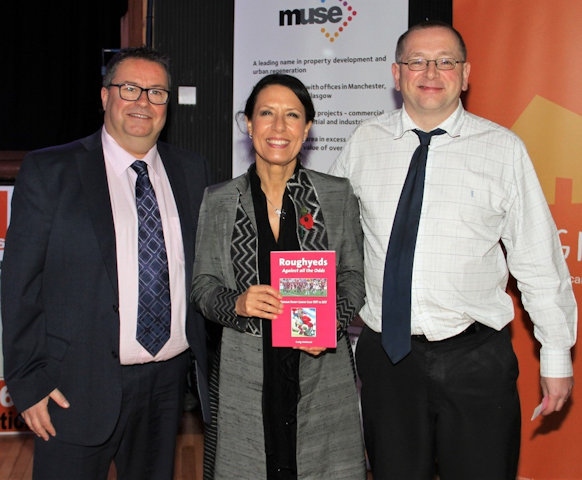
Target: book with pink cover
x: 307, y: 282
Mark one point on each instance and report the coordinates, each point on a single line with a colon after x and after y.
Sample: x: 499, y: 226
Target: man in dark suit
x: 71, y: 294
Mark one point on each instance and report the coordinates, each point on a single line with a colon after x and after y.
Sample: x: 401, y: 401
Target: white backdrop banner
x: 341, y: 50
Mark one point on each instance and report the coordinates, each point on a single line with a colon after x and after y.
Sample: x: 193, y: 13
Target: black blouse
x: 281, y: 391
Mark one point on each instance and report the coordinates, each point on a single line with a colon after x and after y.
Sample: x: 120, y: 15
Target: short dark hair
x: 143, y: 52
x: 429, y: 24
x: 292, y: 83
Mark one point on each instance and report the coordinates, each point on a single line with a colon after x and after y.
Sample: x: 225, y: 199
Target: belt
x: 470, y: 330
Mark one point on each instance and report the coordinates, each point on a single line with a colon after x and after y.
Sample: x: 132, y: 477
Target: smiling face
x: 135, y: 126
x: 278, y: 126
x: 430, y: 96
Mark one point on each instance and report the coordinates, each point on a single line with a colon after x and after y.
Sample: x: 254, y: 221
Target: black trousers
x: 144, y: 440
x: 449, y: 407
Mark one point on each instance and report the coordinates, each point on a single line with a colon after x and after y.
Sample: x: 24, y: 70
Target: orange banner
x: 525, y: 75
x: 10, y: 421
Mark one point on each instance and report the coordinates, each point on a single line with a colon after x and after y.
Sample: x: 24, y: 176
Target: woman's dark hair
x: 292, y: 83
x: 144, y: 53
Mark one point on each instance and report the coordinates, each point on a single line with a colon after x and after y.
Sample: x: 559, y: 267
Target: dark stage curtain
x: 420, y: 10
x: 51, y: 68
x: 50, y: 73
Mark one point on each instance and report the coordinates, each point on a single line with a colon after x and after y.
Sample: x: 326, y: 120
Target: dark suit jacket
x: 60, y: 288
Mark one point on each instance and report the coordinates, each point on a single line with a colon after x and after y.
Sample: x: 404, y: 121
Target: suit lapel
x: 91, y: 165
x: 177, y: 178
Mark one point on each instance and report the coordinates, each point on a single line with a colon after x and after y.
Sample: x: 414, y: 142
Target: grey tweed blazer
x: 329, y: 439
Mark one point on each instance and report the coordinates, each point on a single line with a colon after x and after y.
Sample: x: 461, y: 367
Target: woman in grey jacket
x: 278, y: 413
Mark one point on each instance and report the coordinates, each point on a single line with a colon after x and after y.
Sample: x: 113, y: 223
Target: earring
x: 251, y: 136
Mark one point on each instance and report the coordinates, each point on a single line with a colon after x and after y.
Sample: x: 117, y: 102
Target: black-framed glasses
x: 419, y: 64
x: 131, y: 93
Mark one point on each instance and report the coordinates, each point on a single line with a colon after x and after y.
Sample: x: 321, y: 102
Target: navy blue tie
x: 154, y: 307
x: 396, y: 290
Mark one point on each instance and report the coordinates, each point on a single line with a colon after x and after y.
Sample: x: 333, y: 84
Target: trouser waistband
x: 470, y: 330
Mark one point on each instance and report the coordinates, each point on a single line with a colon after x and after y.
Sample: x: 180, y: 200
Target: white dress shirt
x: 121, y: 179
x: 481, y: 196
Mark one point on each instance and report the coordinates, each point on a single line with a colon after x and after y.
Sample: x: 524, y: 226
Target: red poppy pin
x: 306, y: 219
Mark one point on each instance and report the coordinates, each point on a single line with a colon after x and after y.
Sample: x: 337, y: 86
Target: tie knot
x: 140, y: 167
x: 425, y: 137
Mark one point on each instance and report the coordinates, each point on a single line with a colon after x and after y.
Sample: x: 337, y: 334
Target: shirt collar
x: 451, y: 125
x: 120, y: 160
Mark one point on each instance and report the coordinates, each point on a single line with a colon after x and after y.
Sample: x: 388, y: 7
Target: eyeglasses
x: 131, y: 93
x: 419, y: 64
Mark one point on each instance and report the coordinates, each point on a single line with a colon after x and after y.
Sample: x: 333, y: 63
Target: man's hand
x: 37, y: 417
x: 557, y: 391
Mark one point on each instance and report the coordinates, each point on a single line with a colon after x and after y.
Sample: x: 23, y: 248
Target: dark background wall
x: 50, y: 74
x: 198, y: 36
x: 53, y: 55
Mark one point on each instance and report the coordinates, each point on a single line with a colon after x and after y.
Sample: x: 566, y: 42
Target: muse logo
x: 333, y: 15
